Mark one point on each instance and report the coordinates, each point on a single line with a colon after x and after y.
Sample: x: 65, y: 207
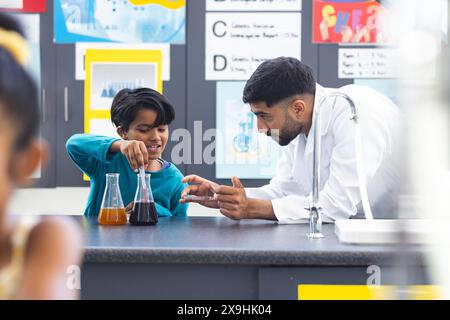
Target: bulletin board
x: 74, y: 35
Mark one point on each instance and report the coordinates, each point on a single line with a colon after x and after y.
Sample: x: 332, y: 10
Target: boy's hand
x: 135, y: 152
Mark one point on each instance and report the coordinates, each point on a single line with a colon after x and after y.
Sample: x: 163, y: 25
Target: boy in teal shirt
x: 142, y: 117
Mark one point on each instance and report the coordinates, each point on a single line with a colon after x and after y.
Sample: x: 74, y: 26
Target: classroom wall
x: 62, y: 185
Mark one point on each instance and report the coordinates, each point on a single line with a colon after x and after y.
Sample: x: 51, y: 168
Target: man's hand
x: 232, y: 201
x: 234, y: 204
x: 199, y: 186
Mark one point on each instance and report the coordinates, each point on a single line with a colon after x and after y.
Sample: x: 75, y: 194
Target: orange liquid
x: 112, y: 216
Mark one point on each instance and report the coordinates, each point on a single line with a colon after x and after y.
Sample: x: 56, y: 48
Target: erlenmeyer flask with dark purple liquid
x: 144, y: 210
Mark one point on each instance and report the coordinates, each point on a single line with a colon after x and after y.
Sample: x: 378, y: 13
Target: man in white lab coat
x: 283, y: 94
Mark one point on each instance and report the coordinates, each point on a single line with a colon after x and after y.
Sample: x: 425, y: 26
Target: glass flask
x: 144, y: 210
x: 112, y: 211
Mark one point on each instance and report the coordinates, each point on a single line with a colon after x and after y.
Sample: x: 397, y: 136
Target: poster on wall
x: 366, y: 63
x: 255, y: 5
x: 348, y: 22
x: 28, y: 6
x: 237, y: 43
x: 109, y: 71
x: 130, y: 21
x: 81, y: 47
x: 240, y: 149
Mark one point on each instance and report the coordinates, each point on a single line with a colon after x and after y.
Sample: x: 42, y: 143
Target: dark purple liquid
x: 144, y: 214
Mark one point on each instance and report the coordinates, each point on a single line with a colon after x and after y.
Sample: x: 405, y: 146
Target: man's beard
x: 288, y: 132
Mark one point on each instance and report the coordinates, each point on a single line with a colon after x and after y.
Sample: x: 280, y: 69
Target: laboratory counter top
x: 219, y: 240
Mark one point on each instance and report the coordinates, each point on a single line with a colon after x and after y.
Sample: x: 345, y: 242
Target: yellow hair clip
x: 15, y: 44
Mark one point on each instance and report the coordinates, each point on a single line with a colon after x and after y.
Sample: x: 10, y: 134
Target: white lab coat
x: 291, y: 189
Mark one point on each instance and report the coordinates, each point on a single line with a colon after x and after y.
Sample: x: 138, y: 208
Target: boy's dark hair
x: 18, y: 92
x: 128, y: 102
x: 278, y: 79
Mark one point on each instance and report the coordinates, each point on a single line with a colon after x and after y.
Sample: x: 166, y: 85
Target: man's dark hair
x: 128, y: 102
x: 19, y: 103
x: 277, y: 79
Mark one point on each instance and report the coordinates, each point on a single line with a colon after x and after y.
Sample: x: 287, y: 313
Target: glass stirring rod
x: 144, y: 187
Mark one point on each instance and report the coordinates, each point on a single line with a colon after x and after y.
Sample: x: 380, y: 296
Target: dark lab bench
x: 218, y: 258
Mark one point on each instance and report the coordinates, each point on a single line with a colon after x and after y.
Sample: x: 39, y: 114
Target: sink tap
x: 315, y: 209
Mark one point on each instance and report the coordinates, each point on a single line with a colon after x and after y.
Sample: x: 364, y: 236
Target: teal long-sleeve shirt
x: 91, y: 154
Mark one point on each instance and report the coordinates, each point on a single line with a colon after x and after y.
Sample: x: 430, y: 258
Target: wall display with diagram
x: 348, y: 22
x: 241, y: 150
x: 23, y: 5
x: 109, y: 71
x: 132, y: 21
x: 236, y: 43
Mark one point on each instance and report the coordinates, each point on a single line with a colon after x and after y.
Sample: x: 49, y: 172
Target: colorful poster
x: 240, y: 149
x: 255, y: 5
x: 23, y: 5
x: 130, y: 21
x: 348, y: 22
x: 366, y: 63
x: 237, y: 43
x: 81, y: 47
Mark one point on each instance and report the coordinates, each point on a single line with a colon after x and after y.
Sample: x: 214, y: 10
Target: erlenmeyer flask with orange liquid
x: 112, y: 211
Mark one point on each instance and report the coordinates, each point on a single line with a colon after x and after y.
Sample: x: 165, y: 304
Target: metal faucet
x: 315, y: 209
